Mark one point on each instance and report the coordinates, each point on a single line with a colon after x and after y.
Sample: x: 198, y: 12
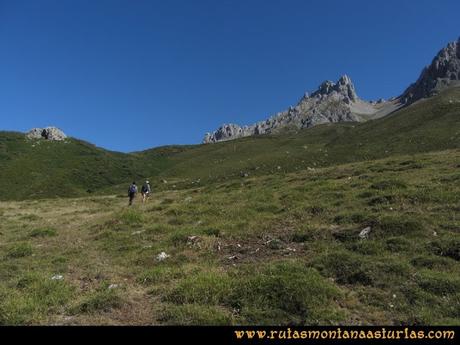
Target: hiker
x: 132, y: 193
x: 145, y: 191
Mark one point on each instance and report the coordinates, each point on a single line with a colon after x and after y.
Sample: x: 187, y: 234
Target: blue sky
x: 131, y: 75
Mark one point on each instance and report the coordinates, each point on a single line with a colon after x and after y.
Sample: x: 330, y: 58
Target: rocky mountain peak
x: 331, y: 102
x: 344, y: 87
x: 338, y: 101
x: 444, y: 71
x: 48, y: 133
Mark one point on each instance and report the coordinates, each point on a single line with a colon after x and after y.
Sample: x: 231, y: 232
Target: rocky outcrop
x: 338, y: 102
x: 332, y: 102
x: 444, y: 71
x: 48, y: 133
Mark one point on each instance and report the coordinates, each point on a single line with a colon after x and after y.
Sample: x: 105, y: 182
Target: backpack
x: 145, y: 188
x: 132, y: 189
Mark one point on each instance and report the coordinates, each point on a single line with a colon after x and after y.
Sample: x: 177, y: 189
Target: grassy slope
x: 275, y: 249
x: 279, y: 246
x: 38, y: 169
x: 432, y: 124
x: 31, y: 170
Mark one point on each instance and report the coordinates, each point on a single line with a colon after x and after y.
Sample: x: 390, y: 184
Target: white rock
x: 48, y: 133
x: 57, y: 277
x: 365, y: 232
x: 162, y: 256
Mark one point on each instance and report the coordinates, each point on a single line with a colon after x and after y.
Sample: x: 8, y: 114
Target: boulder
x: 48, y: 133
x: 365, y: 233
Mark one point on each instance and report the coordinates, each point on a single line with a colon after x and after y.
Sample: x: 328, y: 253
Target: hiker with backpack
x: 145, y: 191
x: 132, y: 191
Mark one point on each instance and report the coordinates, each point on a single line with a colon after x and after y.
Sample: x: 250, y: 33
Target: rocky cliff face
x: 48, y: 133
x: 338, y: 102
x: 443, y: 72
x: 331, y: 102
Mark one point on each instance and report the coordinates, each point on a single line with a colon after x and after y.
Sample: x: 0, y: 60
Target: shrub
x: 356, y: 218
x: 365, y: 247
x: 449, y: 247
x: 131, y: 217
x: 160, y: 274
x: 438, y: 283
x: 300, y: 237
x: 381, y: 200
x: 389, y: 184
x: 43, y: 232
x: 429, y: 261
x: 35, y: 297
x: 286, y: 292
x: 103, y: 299
x: 399, y: 225
x: 203, y: 288
x: 397, y: 244
x: 345, y: 267
x: 20, y: 250
x: 211, y: 232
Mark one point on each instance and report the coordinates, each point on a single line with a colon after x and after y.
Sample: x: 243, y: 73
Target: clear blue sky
x: 130, y: 75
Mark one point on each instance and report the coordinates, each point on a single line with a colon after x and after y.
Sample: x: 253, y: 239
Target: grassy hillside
x: 37, y: 169
x: 273, y: 249
x: 262, y: 230
x: 432, y: 124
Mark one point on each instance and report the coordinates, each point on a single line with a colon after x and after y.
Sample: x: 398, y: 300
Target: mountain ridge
x: 339, y: 102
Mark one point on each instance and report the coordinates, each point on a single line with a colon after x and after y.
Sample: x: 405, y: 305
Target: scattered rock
x: 193, y: 241
x: 162, y: 256
x: 365, y: 233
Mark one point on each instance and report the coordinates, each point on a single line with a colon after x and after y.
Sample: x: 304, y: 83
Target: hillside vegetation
x: 273, y: 249
x: 41, y: 169
x: 262, y: 230
x: 431, y: 124
x: 32, y: 169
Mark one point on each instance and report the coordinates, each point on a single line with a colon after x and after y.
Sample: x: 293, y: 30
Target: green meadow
x: 262, y: 230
